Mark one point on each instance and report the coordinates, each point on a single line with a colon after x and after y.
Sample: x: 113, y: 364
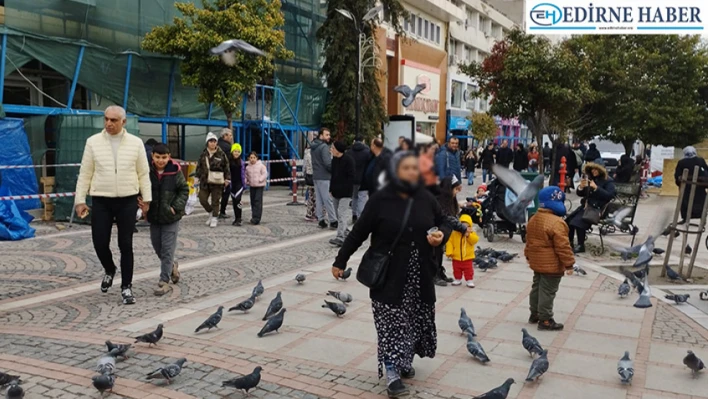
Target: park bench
x: 627, y: 194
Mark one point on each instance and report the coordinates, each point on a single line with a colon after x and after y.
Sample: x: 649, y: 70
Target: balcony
x: 440, y: 9
x: 471, y: 36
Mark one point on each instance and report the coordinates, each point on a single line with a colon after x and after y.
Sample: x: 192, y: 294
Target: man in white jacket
x: 114, y: 170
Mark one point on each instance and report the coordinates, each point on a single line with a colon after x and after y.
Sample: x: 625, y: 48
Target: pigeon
x: 530, y: 343
x: 409, y: 94
x: 579, y: 270
x: 212, y: 321
x: 506, y: 257
x: 6, y: 379
x: 481, y: 252
x: 245, y: 383
x: 672, y: 275
x: 106, y: 365
x: 151, y: 338
x: 538, y: 367
x: 703, y: 295
x: 644, y: 300
x: 645, y: 253
x: 678, y: 298
x: 688, y: 250
x: 168, y: 372
x: 641, y: 273
x: 346, y: 274
x: 658, y: 251
x: 620, y: 215
x: 693, y: 362
x: 625, y: 368
x: 227, y: 50
x: 624, y: 289
x: 273, y: 324
x: 258, y: 290
x: 338, y: 308
x: 118, y: 350
x: 465, y: 323
x: 525, y: 192
x: 104, y: 382
x: 500, y: 392
x: 485, y: 264
x: 475, y: 349
x: 246, y: 305
x: 300, y: 278
x: 342, y: 296
x: 275, y: 305
x: 636, y: 283
x: 15, y: 391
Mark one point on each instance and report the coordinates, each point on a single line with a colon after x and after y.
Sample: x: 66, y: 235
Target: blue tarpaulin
x: 14, y: 223
x: 15, y: 150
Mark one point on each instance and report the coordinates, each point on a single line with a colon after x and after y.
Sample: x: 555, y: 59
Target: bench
x: 627, y: 194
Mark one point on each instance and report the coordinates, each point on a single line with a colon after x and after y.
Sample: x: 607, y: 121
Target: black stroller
x: 494, y: 222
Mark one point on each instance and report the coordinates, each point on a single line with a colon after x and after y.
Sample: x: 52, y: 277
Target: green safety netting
x: 71, y: 136
x: 311, y: 105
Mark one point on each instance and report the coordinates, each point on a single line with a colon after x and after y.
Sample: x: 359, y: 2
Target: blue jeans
x: 486, y: 173
x: 470, y: 177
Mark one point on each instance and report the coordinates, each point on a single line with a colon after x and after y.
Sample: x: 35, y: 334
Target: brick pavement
x: 54, y: 343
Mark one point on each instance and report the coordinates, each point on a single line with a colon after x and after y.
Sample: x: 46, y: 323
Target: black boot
x: 579, y: 249
x: 550, y: 325
x: 396, y: 389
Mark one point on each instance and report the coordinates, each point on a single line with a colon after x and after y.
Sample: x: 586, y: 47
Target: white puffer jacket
x: 101, y: 176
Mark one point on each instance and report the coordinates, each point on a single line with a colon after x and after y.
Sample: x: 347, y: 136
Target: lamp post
x: 363, y: 46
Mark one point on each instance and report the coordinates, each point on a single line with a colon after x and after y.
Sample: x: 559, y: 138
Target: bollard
x: 562, y: 172
x: 294, y: 185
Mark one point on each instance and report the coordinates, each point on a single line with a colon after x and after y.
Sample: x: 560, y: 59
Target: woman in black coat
x: 404, y: 308
x: 690, y: 161
x: 521, y: 158
x: 625, y: 169
x: 597, y: 190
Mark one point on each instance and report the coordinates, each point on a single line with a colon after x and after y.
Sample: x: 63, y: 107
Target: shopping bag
x: 191, y: 202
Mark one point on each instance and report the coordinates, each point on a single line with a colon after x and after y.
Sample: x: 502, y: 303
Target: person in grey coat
x: 321, y: 174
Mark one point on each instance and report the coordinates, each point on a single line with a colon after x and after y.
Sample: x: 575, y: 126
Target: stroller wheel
x: 511, y: 233
x: 490, y: 232
x: 522, y: 233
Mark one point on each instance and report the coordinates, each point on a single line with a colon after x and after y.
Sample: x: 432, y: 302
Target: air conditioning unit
x: 452, y: 60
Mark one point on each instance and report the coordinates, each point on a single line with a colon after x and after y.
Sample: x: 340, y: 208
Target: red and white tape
x: 35, y: 196
x: 64, y: 165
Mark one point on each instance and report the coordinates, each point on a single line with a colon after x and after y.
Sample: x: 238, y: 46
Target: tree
x: 483, y: 126
x: 544, y: 85
x: 191, y: 36
x: 339, y: 38
x: 647, y: 87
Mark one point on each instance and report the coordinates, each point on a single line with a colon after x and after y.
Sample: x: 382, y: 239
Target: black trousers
x: 256, y: 194
x: 224, y: 201
x: 122, y: 210
x: 438, y: 252
x: 236, y: 202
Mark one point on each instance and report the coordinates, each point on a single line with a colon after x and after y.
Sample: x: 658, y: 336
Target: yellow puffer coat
x: 459, y: 247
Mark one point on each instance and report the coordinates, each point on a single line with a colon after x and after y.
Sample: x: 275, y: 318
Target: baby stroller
x: 493, y: 220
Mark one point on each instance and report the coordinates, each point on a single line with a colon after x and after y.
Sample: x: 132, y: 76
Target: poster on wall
x: 658, y: 154
x: 398, y: 126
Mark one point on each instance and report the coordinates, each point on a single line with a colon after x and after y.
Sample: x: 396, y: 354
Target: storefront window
x: 456, y: 94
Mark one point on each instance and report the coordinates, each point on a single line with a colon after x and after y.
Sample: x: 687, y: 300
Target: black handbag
x: 374, y: 264
x: 591, y: 215
x: 309, y: 180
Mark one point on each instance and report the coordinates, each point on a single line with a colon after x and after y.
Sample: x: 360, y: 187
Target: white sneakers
x: 456, y: 282
x: 470, y: 283
x: 208, y: 222
x: 213, y: 222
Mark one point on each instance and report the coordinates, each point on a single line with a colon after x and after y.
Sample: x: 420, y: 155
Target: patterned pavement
x: 54, y: 321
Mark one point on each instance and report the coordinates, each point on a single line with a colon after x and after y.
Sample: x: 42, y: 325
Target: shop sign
x: 425, y: 105
x: 424, y: 79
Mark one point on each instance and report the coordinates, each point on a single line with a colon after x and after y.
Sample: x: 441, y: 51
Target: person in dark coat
x: 225, y: 142
x: 571, y: 165
x: 546, y: 157
x: 487, y: 160
x: 470, y: 164
x: 378, y: 163
x: 625, y: 169
x: 341, y: 187
x: 148, y: 148
x: 596, y: 189
x: 237, y: 166
x: 689, y: 162
x: 361, y: 154
x: 404, y: 307
x: 592, y: 154
x: 505, y: 156
x: 521, y: 158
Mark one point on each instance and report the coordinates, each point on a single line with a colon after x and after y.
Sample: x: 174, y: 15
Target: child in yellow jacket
x: 461, y: 250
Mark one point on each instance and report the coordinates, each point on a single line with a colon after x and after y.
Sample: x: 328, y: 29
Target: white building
x: 471, y: 40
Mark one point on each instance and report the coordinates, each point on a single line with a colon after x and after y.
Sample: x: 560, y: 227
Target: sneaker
x: 336, y: 242
x: 255, y: 222
x: 208, y: 222
x: 440, y: 282
x: 127, y: 294
x: 334, y: 225
x: 396, y: 389
x: 456, y: 282
x: 448, y: 279
x: 107, y: 282
x: 214, y: 221
x: 236, y: 223
x: 175, y: 273
x: 408, y: 374
x: 322, y: 224
x: 579, y: 249
x: 470, y: 284
x: 550, y: 325
x: 223, y: 216
x: 533, y: 319
x: 162, y: 289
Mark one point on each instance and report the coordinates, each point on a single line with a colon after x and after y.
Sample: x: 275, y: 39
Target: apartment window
x: 413, y: 31
x: 453, y: 46
x: 471, y: 100
x: 425, y: 25
x: 456, y: 94
x: 466, y: 53
x: 406, y: 25
x: 471, y: 18
x: 420, y: 26
x: 483, y: 25
x: 437, y: 34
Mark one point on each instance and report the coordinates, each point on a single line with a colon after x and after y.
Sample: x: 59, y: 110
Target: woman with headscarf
x: 404, y: 307
x: 689, y: 162
x: 596, y: 189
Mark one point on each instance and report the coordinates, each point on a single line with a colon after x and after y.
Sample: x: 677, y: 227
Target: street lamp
x: 363, y: 47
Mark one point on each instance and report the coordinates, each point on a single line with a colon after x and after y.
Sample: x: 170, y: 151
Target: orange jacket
x: 427, y: 171
x: 548, y: 248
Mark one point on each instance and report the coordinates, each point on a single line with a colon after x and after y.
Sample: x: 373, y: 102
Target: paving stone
x: 480, y: 379
x: 553, y: 388
x: 679, y: 380
x: 600, y: 344
x: 585, y: 366
x: 321, y: 350
x: 607, y: 326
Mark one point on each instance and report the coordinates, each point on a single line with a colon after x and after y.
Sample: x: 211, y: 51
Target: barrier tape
x: 63, y: 195
x: 63, y: 165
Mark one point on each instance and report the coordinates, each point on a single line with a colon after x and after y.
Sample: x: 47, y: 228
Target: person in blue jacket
x: 447, y: 160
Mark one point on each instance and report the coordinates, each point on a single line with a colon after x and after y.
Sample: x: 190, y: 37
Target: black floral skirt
x: 407, y: 329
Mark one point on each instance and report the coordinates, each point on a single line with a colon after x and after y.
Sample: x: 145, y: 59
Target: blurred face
x: 335, y: 153
x: 505, y: 144
x: 595, y: 173
x: 408, y: 170
x: 326, y: 136
x: 236, y: 154
x: 252, y: 159
x: 228, y: 137
x: 480, y: 190
x: 211, y: 144
x: 160, y: 160
x: 113, y: 121
x: 454, y: 144
x: 457, y: 190
x: 404, y: 145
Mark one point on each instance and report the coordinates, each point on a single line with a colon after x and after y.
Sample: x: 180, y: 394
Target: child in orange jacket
x: 461, y: 250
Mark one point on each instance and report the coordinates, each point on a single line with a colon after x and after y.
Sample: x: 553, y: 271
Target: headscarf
x: 392, y: 174
x: 689, y: 152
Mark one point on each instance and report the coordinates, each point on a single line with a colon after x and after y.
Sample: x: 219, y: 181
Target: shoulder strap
x: 406, y: 215
x: 207, y: 162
